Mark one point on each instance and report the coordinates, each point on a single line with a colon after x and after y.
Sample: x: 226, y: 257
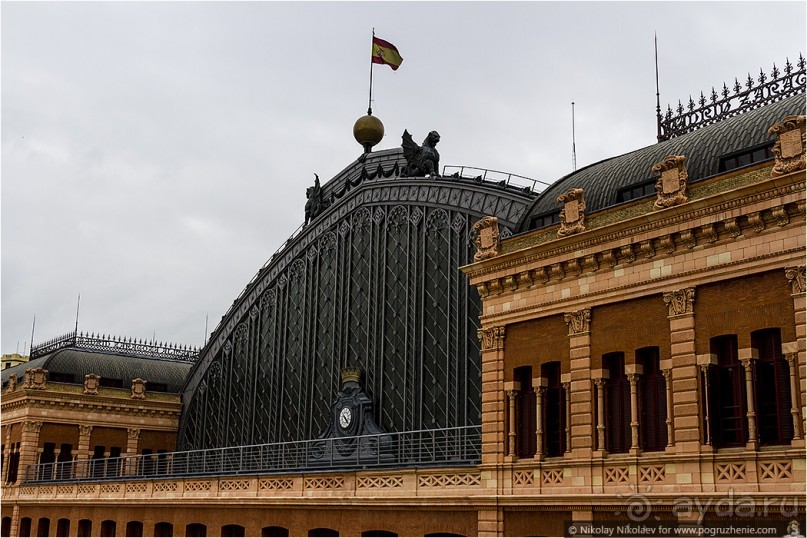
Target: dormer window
x: 745, y: 157
x: 542, y: 221
x: 638, y: 190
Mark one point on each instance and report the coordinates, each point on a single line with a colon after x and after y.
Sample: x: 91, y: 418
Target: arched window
x: 5, y: 530
x: 323, y: 532
x: 25, y: 526
x: 109, y: 528
x: 554, y: 410
x: 43, y: 527
x: 653, y: 406
x: 617, y: 407
x: 134, y: 529
x: 727, y: 403
x: 196, y: 530
x: 274, y: 531
x: 378, y: 534
x: 163, y: 530
x: 230, y: 531
x: 772, y: 388
x: 84, y: 527
x: 525, y: 413
x: 62, y: 527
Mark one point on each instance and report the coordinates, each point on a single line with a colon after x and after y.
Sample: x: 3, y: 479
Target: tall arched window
x: 772, y: 387
x: 109, y: 528
x: 134, y: 529
x: 84, y: 527
x: 653, y: 417
x: 727, y: 394
x: 43, y: 527
x: 230, y: 531
x: 25, y: 526
x: 196, y: 530
x: 525, y: 413
x: 323, y: 532
x: 163, y: 530
x: 62, y: 527
x: 554, y: 410
x: 274, y: 531
x: 617, y: 408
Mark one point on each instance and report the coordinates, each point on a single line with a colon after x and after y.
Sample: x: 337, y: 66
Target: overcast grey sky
x: 154, y: 155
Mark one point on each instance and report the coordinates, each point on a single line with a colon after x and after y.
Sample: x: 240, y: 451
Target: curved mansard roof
x: 703, y: 149
x: 79, y: 362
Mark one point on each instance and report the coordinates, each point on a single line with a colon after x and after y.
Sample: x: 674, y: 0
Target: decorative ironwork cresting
x: 731, y: 102
x: 116, y: 345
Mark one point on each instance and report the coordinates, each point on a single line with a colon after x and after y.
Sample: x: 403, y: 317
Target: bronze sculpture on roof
x: 421, y: 160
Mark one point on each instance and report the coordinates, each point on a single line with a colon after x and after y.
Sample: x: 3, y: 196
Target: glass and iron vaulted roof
x: 704, y: 149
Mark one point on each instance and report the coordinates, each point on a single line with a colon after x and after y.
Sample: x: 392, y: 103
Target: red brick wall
x: 628, y: 326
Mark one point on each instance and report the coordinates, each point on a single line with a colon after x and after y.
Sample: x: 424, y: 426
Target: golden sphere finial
x: 368, y: 131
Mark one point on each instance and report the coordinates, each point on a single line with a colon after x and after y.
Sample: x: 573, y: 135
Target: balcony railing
x: 460, y: 446
x: 116, y: 345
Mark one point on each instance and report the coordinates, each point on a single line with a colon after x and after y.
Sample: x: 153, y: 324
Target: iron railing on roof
x: 116, y: 345
x: 460, y: 446
x: 502, y: 179
x: 731, y: 102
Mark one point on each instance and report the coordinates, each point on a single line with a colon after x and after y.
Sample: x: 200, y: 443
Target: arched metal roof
x: 703, y: 149
x: 78, y: 362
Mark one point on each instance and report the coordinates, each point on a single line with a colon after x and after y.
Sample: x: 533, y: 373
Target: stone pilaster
x: 132, y: 440
x: 29, y: 446
x: 796, y: 277
x: 6, y: 454
x: 751, y: 414
x: 490, y: 523
x: 581, y: 405
x: 83, y: 451
x: 669, y: 401
x: 566, y: 384
x: 633, y: 379
x: 493, y: 407
x: 600, y: 384
x: 512, y: 393
x: 539, y: 390
x: 792, y: 363
x: 682, y: 362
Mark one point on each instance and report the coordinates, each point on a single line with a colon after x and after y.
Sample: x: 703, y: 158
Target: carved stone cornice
x: 578, y: 322
x: 671, y: 186
x: 680, y: 302
x: 795, y: 275
x: 789, y: 148
x: 492, y: 338
x: 573, y: 213
x: 685, y: 237
x: 488, y: 244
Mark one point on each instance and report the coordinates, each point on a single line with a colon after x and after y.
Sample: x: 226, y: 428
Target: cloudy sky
x: 155, y: 155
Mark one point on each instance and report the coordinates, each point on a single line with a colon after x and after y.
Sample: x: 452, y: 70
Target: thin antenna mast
x: 78, y: 304
x: 33, y: 326
x: 204, y: 340
x: 370, y: 101
x: 574, y: 149
x: 658, y: 95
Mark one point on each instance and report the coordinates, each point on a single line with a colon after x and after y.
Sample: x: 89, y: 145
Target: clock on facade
x: 345, y: 416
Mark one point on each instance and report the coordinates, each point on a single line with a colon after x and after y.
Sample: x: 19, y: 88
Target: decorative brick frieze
x: 462, y: 480
x: 680, y: 302
x: 552, y: 477
x: 233, y: 485
x: 165, y: 487
x: 616, y: 475
x: 578, y: 322
x: 110, y: 488
x: 573, y: 212
x: 789, y: 148
x: 195, y: 486
x: 776, y: 471
x: 324, y: 482
x: 275, y: 484
x: 379, y: 482
x: 488, y: 244
x: 137, y: 487
x: 671, y: 185
x: 86, y: 489
x: 523, y: 479
x: 730, y: 472
x: 651, y: 474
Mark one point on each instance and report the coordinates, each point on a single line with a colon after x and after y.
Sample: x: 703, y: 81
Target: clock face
x: 345, y: 416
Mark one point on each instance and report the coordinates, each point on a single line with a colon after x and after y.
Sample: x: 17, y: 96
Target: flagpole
x: 370, y: 101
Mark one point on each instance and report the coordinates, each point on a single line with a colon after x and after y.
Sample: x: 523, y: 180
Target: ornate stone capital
x: 578, y: 322
x: 792, y: 360
x: 35, y: 378
x: 633, y: 379
x: 488, y: 244
x: 789, y: 147
x: 671, y: 186
x: 680, y: 302
x: 138, y: 388
x: 573, y: 213
x: 91, y: 382
x: 539, y: 391
x: 492, y: 338
x: 600, y: 382
x: 746, y: 363
x: 133, y: 434
x: 84, y: 430
x: 667, y: 375
x: 31, y: 426
x: 795, y: 275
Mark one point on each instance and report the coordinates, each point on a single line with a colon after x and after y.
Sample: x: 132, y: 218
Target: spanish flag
x: 385, y: 52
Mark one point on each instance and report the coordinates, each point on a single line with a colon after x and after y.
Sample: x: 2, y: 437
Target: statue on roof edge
x: 314, y: 203
x: 421, y: 160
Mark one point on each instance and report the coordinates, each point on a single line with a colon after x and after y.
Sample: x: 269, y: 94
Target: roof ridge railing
x: 118, y: 345
x: 497, y: 177
x: 732, y: 102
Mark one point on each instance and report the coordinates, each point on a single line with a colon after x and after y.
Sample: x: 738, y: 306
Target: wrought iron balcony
x: 426, y: 448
